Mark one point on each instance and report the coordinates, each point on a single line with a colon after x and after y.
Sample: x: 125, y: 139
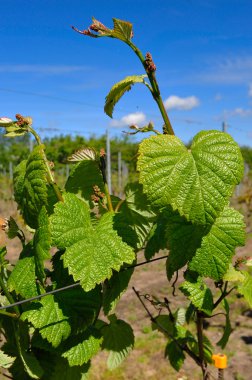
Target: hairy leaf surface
x: 213, y: 257
x: 92, y: 252
x: 49, y: 318
x: 118, y: 90
x: 122, y: 29
x: 196, y: 182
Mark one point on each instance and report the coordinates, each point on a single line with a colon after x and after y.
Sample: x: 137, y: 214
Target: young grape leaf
x: 117, y: 91
x: 157, y: 237
x: 213, y: 257
x: 23, y: 277
x: 245, y: 288
x: 118, y: 338
x: 196, y: 182
x: 233, y: 275
x: 198, y: 293
x: 92, y: 251
x: 82, y: 179
x: 135, y: 218
x: 83, y: 347
x: 175, y: 355
x: 122, y: 30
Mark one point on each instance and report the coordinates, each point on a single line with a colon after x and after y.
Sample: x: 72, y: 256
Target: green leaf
x: 122, y: 30
x: 198, y: 293
x: 114, y: 288
x: 42, y: 243
x: 49, y: 318
x: 227, y: 328
x: 175, y: 355
x: 6, y: 361
x: 117, y: 91
x: 233, y: 275
x: 92, y: 252
x: 83, y: 177
x: 135, y: 218
x: 196, y: 182
x: 157, y: 238
x: 83, y: 348
x: 118, y: 339
x: 63, y: 371
x: 246, y: 288
x: 31, y: 365
x: 30, y: 187
x: 213, y: 257
x: 23, y: 277
x: 183, y: 238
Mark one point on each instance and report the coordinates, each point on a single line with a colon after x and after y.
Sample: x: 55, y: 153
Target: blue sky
x: 202, y: 50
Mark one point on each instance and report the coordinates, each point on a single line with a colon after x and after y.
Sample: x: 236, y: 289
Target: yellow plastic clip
x: 220, y: 361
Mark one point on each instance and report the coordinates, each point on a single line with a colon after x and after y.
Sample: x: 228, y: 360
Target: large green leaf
x: 31, y: 365
x: 49, y: 318
x: 30, y: 187
x: 23, y: 277
x: 118, y: 339
x: 83, y: 348
x: 212, y: 259
x: 83, y: 177
x: 135, y: 218
x: 117, y: 91
x: 92, y: 252
x: 199, y: 294
x: 196, y: 182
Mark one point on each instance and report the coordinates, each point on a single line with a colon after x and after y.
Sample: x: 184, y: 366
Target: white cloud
x: 239, y: 111
x: 229, y: 71
x: 42, y: 69
x: 137, y: 118
x: 175, y: 102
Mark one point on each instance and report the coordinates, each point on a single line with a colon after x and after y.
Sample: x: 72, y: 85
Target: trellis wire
x: 72, y: 286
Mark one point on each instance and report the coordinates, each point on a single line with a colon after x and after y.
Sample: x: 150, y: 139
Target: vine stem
x: 48, y: 169
x: 183, y: 347
x: 155, y: 90
x: 203, y: 365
